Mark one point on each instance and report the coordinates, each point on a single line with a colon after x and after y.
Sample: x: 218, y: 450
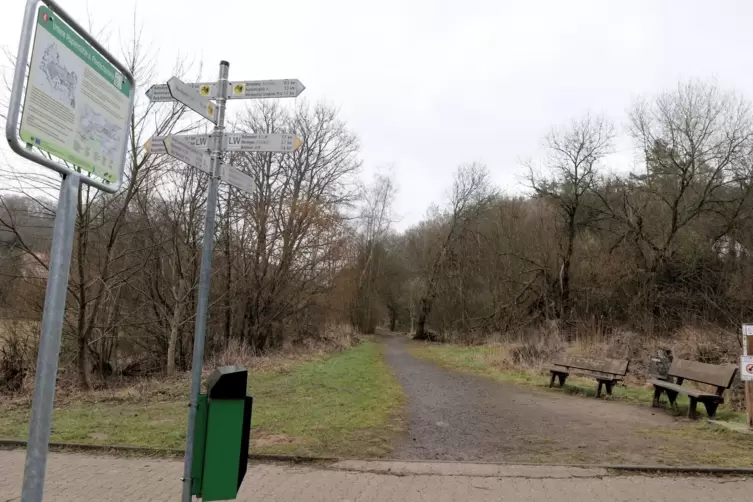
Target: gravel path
x: 456, y: 416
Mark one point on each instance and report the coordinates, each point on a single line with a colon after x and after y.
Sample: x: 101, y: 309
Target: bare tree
x: 470, y: 194
x: 375, y: 220
x: 573, y: 154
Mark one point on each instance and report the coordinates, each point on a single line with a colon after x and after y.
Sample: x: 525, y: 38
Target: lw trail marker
x: 77, y: 104
x: 192, y: 149
x: 232, y: 142
x: 182, y: 150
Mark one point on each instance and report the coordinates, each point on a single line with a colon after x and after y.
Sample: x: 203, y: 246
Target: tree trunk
x: 421, y: 333
x: 174, y: 327
x: 566, y: 262
x: 84, y: 371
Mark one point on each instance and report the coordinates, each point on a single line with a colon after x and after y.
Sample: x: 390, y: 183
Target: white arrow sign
x: 251, y: 89
x: 285, y: 143
x: 233, y: 176
x: 183, y: 151
x: 156, y: 145
x: 192, y: 99
x: 233, y: 142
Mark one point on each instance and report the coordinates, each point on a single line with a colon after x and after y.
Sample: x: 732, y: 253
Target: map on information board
x: 77, y: 103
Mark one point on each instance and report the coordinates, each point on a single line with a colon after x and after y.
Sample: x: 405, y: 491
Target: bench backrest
x: 720, y: 375
x: 611, y: 366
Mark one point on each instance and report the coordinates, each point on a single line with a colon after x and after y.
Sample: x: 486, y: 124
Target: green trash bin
x: 223, y: 427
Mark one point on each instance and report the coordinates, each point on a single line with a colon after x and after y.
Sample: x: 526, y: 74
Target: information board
x: 77, y: 104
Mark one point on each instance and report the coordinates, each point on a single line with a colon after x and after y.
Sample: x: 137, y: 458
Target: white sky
x: 430, y: 84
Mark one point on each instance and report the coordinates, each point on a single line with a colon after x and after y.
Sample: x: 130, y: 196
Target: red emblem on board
x: 45, y: 17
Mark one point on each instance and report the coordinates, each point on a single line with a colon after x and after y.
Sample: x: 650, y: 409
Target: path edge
x: 314, y: 459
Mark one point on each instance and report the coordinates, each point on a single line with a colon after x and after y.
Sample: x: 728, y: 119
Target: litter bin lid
x: 228, y: 382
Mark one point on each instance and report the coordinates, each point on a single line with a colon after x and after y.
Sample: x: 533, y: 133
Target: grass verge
x: 483, y: 360
x: 347, y: 404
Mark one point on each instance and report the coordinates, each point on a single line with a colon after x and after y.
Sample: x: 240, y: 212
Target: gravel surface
x: 456, y: 416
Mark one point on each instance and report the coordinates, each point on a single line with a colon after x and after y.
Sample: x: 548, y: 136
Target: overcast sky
x: 430, y: 84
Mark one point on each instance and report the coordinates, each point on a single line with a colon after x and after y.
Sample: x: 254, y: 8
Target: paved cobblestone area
x: 74, y: 477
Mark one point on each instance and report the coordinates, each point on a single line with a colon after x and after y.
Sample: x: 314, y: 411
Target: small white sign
x: 250, y: 89
x: 191, y: 98
x: 262, y: 142
x: 233, y: 176
x: 233, y: 142
x: 156, y: 145
x: 183, y: 151
x: 748, y: 329
x: 746, y: 368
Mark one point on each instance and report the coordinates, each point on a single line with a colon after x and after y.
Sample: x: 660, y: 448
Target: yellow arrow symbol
x: 296, y: 143
x: 148, y: 145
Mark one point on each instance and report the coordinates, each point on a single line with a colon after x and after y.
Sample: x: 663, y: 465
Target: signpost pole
x: 748, y: 345
x: 49, y: 343
x: 205, y: 276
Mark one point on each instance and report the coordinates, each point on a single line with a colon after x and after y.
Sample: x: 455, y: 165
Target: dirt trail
x: 455, y: 416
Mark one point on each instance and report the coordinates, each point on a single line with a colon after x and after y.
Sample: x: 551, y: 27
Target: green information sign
x: 77, y: 104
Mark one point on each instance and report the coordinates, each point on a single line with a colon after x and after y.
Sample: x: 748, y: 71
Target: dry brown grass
x: 163, y: 389
x: 525, y: 351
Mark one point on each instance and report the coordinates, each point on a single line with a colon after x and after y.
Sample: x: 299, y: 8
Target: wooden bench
x: 716, y: 375
x: 607, y: 372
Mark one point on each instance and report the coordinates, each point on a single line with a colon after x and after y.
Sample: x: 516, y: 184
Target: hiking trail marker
x: 77, y: 103
x: 233, y: 142
x: 205, y: 152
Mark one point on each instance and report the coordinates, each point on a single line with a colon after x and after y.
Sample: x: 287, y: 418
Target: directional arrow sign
x: 183, y: 151
x: 233, y: 176
x: 262, y: 142
x: 192, y: 99
x: 251, y: 89
x: 156, y: 145
x: 284, y: 143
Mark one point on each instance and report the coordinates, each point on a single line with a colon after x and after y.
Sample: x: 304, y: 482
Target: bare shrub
x: 18, y: 352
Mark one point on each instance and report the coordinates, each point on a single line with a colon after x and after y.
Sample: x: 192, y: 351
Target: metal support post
x: 49, y: 343
x: 205, y: 276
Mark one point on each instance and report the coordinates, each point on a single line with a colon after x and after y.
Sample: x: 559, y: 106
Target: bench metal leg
x: 551, y: 382
x: 657, y: 396
x: 692, y: 413
x: 672, y: 396
x: 598, y: 388
x: 562, y: 379
x: 609, y: 386
x: 711, y: 407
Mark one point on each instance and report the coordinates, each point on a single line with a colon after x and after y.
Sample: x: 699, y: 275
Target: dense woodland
x: 313, y: 248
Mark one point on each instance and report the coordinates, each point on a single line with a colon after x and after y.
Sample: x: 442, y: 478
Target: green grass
x: 476, y: 360
x: 346, y: 404
x: 712, y: 445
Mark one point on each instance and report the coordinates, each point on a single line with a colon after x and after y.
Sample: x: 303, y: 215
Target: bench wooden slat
x: 597, y: 376
x: 610, y: 366
x: 555, y: 368
x: 719, y: 375
x: 705, y: 396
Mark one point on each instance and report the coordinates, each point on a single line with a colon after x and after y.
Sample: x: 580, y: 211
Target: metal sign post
x: 746, y: 370
x: 191, y: 149
x: 205, y: 277
x: 77, y: 104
